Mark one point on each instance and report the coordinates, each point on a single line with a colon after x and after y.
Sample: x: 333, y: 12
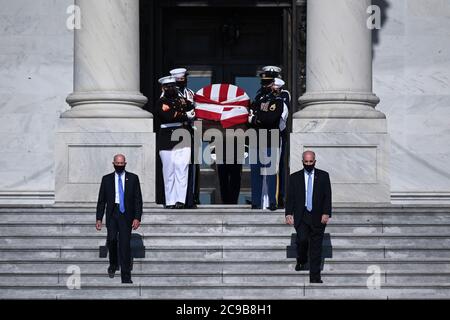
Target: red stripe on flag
x: 243, y: 103
x: 223, y: 92
x: 208, y: 115
x: 207, y: 91
x: 203, y: 99
x: 222, y: 107
x: 227, y: 123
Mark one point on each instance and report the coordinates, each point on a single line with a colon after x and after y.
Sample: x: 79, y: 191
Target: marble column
x: 106, y: 66
x: 337, y: 116
x: 106, y: 117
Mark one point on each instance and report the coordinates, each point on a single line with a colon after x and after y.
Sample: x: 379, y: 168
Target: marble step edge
x: 152, y: 205
x: 227, y: 285
x: 227, y: 223
x: 256, y: 273
x: 421, y: 214
x: 231, y: 260
x: 238, y: 235
x: 444, y: 208
x: 4, y: 248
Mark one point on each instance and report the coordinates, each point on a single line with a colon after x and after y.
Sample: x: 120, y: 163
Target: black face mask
x: 171, y: 92
x: 181, y: 85
x: 308, y: 167
x: 265, y: 90
x: 119, y: 169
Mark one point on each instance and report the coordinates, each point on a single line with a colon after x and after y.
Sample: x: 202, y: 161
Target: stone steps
x: 226, y: 291
x: 80, y: 228
x: 225, y: 264
x: 344, y: 278
x: 250, y: 216
x: 227, y: 253
x: 176, y: 239
x: 150, y: 207
x: 196, y: 252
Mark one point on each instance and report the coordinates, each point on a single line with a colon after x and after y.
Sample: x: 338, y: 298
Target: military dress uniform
x: 286, y: 97
x: 266, y: 113
x: 193, y: 191
x: 173, y: 113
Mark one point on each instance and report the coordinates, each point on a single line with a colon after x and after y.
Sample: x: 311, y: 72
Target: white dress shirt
x: 306, y: 184
x: 116, y: 177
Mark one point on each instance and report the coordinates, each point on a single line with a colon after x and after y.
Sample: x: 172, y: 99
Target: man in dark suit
x: 120, y: 191
x: 308, y: 208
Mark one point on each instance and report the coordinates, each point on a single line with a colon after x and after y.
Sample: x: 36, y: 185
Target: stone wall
x: 36, y: 72
x: 411, y: 72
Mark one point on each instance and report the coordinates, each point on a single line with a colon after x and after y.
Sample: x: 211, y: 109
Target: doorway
x: 216, y: 45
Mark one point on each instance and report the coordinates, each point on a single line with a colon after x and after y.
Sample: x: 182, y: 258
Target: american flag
x: 226, y: 103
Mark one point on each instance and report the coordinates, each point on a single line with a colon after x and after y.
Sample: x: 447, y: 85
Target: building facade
x: 78, y: 79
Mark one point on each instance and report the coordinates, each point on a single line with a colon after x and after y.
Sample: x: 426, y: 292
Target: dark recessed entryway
x: 218, y: 45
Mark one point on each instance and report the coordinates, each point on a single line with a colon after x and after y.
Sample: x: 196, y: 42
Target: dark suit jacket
x: 107, y: 197
x: 295, y: 203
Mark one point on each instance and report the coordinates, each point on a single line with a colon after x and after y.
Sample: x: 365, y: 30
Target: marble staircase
x: 383, y: 252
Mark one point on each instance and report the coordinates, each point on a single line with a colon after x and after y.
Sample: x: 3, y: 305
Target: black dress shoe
x: 179, y: 205
x: 111, y: 271
x: 316, y: 280
x: 169, y: 207
x: 127, y: 281
x: 254, y: 206
x: 273, y: 207
x: 300, y: 267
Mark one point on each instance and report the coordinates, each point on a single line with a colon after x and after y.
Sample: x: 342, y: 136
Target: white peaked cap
x: 166, y: 80
x: 279, y: 82
x: 179, y: 72
x: 271, y: 69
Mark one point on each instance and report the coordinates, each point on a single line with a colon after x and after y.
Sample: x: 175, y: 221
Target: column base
x: 339, y: 105
x: 106, y: 105
x: 84, y: 153
x: 355, y: 152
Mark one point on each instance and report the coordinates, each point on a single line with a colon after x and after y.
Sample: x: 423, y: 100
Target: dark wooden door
x: 221, y: 45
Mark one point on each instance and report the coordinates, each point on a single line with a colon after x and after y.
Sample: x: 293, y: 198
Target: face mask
x: 308, y: 167
x: 266, y: 82
x: 119, y: 169
x: 171, y: 92
x: 181, y: 84
x: 265, y: 90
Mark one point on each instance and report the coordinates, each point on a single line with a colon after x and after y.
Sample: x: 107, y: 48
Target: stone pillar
x: 338, y: 118
x: 106, y: 115
x: 106, y: 73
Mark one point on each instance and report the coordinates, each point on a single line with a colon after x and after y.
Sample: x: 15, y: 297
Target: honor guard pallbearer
x: 174, y: 112
x: 193, y: 190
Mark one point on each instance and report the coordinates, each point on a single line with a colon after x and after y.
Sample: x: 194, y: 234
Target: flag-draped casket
x: 225, y: 103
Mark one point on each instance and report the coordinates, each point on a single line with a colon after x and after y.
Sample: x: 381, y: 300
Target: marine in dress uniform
x: 265, y: 113
x: 278, y: 90
x: 193, y: 191
x: 174, y: 112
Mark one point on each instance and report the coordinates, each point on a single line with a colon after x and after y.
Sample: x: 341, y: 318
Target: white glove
x: 250, y: 118
x: 190, y: 114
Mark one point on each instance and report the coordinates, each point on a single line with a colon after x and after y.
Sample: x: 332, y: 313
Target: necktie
x: 309, y: 193
x: 121, y: 196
